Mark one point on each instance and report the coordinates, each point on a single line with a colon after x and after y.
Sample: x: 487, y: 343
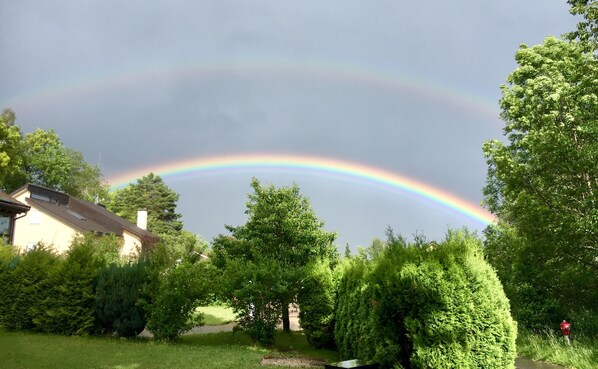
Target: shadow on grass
x: 210, y: 319
x: 293, y: 344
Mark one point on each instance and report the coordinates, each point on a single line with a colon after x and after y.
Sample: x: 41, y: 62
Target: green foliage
x: 41, y: 158
x: 8, y: 261
x: 317, y: 298
x: 543, y: 183
x: 527, y: 275
x: 181, y: 246
x: 26, y: 283
x: 427, y: 306
x: 353, y: 330
x: 68, y: 308
x: 11, y: 155
x: 175, y: 295
x: 50, y: 164
x: 253, y: 290
x: 152, y: 194
x: 587, y: 30
x: 264, y: 261
x: 53, y: 293
x: 105, y: 249
x: 119, y: 291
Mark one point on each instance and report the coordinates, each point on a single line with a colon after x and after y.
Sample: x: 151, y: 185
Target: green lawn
x: 217, y: 315
x: 219, y: 350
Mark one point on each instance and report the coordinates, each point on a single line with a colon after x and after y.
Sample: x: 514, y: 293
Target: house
x: 55, y: 218
x: 9, y: 211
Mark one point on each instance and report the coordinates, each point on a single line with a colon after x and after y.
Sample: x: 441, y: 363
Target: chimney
x: 142, y: 219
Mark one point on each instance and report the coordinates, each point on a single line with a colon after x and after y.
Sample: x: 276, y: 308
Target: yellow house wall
x: 131, y: 245
x: 46, y: 229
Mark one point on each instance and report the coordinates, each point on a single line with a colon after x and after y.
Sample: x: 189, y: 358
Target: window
x: 4, y: 225
x: 42, y: 197
x: 5, y: 229
x: 76, y: 215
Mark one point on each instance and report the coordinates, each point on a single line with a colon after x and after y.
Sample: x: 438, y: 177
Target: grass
x: 581, y: 354
x: 217, y: 315
x: 219, y: 350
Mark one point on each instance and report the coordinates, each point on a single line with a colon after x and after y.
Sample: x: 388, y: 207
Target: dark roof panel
x: 100, y: 214
x: 6, y: 201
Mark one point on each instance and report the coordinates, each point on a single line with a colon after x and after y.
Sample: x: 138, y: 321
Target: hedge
x: 432, y: 306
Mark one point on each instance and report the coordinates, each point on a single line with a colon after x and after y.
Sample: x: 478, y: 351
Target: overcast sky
x: 407, y: 87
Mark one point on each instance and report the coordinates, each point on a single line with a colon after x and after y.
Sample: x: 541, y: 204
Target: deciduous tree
x: 49, y: 163
x: 544, y: 181
x: 267, y: 255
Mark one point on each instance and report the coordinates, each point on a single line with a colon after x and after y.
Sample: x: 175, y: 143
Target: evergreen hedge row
x: 426, y: 306
x: 85, y: 291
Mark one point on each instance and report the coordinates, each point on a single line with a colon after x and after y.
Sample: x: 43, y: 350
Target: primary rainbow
x: 311, y: 164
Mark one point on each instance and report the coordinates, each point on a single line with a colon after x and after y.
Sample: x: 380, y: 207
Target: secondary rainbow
x: 311, y: 164
x: 86, y: 86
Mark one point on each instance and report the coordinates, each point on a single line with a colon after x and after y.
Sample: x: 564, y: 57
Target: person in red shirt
x: 566, y: 329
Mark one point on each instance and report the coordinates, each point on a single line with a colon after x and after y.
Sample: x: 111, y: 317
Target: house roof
x: 7, y: 202
x: 81, y: 214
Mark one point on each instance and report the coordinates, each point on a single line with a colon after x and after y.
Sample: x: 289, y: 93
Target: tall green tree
x: 152, y: 194
x: 543, y: 183
x: 267, y: 256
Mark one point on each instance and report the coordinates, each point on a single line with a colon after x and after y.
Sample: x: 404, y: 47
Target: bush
x: 68, y: 308
x: 53, y: 293
x: 118, y: 293
x: 26, y: 283
x: 9, y: 259
x: 174, y: 296
x: 354, y: 311
x: 432, y: 306
x: 105, y: 249
x: 253, y: 290
x: 316, y: 301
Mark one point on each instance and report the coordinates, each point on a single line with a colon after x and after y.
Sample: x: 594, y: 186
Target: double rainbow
x: 341, y: 169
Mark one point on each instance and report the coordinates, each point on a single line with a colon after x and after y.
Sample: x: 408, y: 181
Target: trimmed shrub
x: 316, y: 302
x: 431, y: 306
x: 9, y: 259
x: 354, y: 327
x: 117, y: 302
x: 26, y: 283
x: 68, y: 308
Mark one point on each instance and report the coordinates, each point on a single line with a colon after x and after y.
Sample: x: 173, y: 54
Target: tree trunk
x: 286, y: 323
